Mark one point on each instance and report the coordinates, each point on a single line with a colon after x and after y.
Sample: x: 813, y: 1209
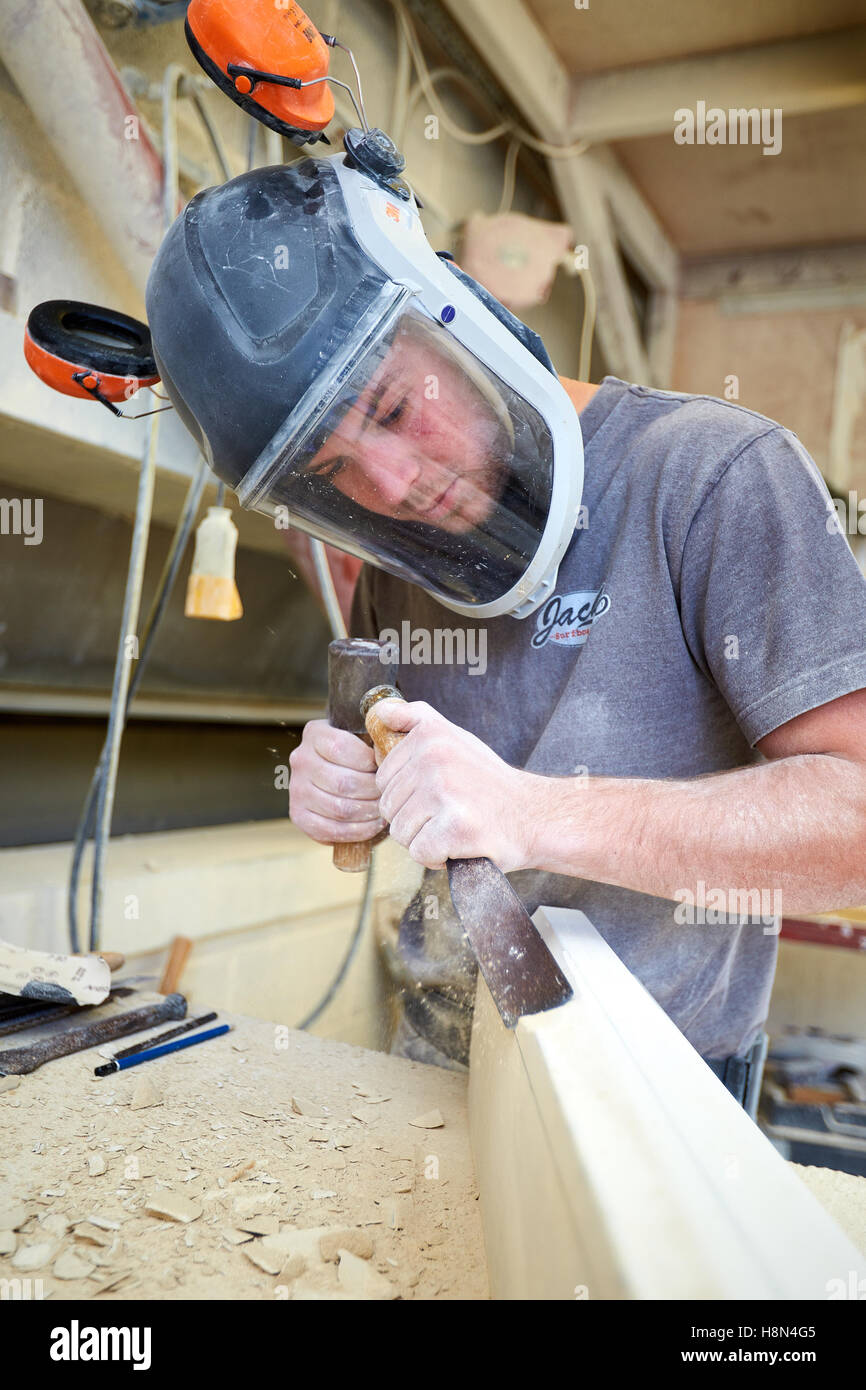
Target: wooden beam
x: 612, y: 1163
x: 638, y: 229
x: 798, y: 76
x: 581, y: 186
x: 604, y: 207
x: 520, y: 56
x: 708, y: 277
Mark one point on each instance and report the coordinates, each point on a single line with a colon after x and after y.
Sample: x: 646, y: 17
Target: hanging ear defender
x: 211, y: 591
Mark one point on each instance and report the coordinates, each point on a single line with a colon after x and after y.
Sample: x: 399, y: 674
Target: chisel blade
x: 519, y: 970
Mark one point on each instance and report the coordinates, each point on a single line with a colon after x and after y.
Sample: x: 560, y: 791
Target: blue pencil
x: 175, y: 1046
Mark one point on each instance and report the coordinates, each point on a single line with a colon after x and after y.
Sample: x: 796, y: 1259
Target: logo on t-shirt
x: 566, y: 619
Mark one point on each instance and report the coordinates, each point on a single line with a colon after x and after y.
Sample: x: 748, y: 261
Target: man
x: 670, y: 737
x: 702, y: 725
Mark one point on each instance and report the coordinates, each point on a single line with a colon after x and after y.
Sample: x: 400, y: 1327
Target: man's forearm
x: 795, y: 826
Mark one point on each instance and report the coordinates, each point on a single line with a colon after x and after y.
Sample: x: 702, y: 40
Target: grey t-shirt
x: 706, y: 598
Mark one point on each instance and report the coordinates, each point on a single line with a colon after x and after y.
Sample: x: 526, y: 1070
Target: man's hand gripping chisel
x: 519, y: 970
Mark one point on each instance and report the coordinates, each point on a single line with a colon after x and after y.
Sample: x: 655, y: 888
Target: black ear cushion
x: 93, y: 337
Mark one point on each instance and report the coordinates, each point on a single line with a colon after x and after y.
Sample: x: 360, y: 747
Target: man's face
x: 420, y: 443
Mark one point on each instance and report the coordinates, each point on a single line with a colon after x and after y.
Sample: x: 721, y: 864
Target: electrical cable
x: 213, y: 135
x: 470, y: 137
x: 164, y: 589
x: 519, y: 136
x: 122, y: 672
x: 103, y: 785
x: 327, y: 590
x: 584, y: 360
x: 509, y: 178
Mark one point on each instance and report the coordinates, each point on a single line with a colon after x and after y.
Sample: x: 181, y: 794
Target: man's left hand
x: 448, y: 796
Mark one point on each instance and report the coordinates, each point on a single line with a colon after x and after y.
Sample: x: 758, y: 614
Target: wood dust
x: 264, y: 1164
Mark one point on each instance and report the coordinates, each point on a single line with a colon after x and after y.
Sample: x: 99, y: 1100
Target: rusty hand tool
x: 19, y: 1020
x: 354, y: 664
x: 520, y: 971
x: 17, y: 1061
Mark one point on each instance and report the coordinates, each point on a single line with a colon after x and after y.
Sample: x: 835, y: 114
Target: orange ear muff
x: 87, y: 351
x: 280, y: 47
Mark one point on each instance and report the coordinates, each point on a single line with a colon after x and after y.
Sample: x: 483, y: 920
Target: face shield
x: 409, y: 453
x: 340, y: 377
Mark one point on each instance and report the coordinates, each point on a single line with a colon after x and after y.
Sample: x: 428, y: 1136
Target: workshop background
x: 726, y: 270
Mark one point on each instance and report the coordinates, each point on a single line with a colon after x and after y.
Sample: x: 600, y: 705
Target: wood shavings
x: 292, y: 1241
x: 12, y: 1217
x: 113, y: 1281
x: 360, y: 1280
x: 321, y: 1194
x: 236, y: 1237
x: 92, y: 1234
x: 9, y: 1083
x: 96, y: 1165
x: 201, y: 1128
x: 268, y: 1260
x: 144, y: 1094
x: 245, y: 1168
x: 34, y: 1256
x: 8, y: 1242
x: 104, y: 1222
x: 432, y: 1120
x: 71, y: 1266
x: 356, y: 1241
x: 172, y: 1206
x: 294, y: 1267
x: 260, y: 1225
x: 255, y: 1204
x: 308, y: 1108
x: 333, y: 1161
x: 53, y: 1224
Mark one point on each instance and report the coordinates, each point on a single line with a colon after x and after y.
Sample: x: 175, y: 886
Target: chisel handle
x: 354, y: 665
x: 384, y: 739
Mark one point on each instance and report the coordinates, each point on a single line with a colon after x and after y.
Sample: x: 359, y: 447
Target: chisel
x: 17, y: 1061
x: 519, y: 970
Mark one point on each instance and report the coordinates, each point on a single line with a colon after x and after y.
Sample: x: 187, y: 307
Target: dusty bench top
x: 239, y: 1169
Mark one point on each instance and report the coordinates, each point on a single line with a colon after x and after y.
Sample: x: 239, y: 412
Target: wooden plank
x: 521, y: 57
x: 581, y: 185
x: 797, y: 76
x: 613, y: 1164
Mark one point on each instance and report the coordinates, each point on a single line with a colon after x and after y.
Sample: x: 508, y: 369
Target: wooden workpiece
x: 239, y: 1170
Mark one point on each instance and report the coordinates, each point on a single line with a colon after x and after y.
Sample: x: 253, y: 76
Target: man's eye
x: 393, y: 414
x: 328, y: 470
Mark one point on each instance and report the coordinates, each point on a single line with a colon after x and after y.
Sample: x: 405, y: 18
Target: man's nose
x: 392, y: 466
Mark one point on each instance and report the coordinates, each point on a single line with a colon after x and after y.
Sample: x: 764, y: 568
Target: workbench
x: 238, y: 1170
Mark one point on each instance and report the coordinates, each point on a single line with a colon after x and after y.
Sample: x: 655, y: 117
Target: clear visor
x: 416, y: 458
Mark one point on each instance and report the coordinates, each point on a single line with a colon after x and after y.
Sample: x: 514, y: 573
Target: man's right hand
x: 333, y: 795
